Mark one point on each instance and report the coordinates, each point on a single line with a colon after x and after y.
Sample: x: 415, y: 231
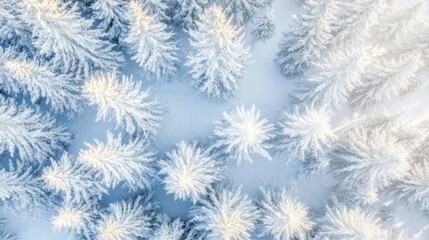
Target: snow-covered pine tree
x: 188, y: 11
x: 77, y: 218
x: 14, y: 32
x: 218, y: 58
x: 354, y: 19
x: 127, y: 220
x: 283, y: 217
x: 226, y: 214
x: 151, y: 43
x: 265, y: 27
x: 131, y: 163
x: 397, y: 24
x: 168, y: 229
x: 242, y: 11
x: 4, y: 233
x: 369, y: 159
x: 242, y: 134
x: 113, y: 17
x: 310, y: 33
x: 337, y: 77
x: 28, y: 132
x: 341, y: 223
x: 69, y: 40
x: 189, y: 171
x: 125, y: 102
x: 156, y: 8
x: 22, y: 190
x: 414, y: 188
x: 39, y: 81
x: 387, y: 80
x: 76, y: 181
x: 305, y: 134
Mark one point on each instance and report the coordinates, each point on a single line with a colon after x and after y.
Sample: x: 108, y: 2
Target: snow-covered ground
x: 189, y: 116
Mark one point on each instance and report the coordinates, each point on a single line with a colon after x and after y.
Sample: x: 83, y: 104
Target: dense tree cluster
x: 358, y: 55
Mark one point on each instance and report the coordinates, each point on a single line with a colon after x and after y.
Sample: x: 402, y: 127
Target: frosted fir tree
x: 29, y: 133
x: 22, y: 190
x: 305, y: 134
x: 226, y: 214
x: 167, y: 228
x: 188, y: 11
x: 14, y: 32
x: 156, y: 8
x: 265, y: 27
x: 189, y: 171
x: 283, y: 217
x: 69, y: 40
x: 337, y: 77
x: 127, y: 220
x: 77, y: 219
x: 113, y: 17
x: 4, y: 233
x: 354, y: 19
x: 151, y: 43
x: 218, y: 58
x: 387, y: 80
x: 369, y: 159
x: 74, y: 180
x: 40, y: 82
x: 124, y: 102
x: 397, y: 24
x: 310, y: 33
x: 242, y: 11
x: 414, y: 187
x: 242, y: 134
x: 116, y: 162
x: 349, y: 223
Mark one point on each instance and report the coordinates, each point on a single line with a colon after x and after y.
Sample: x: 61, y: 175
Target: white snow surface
x: 189, y: 116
